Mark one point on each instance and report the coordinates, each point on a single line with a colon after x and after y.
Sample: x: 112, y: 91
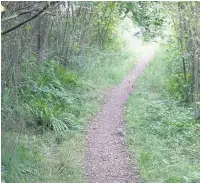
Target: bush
x: 177, y: 86
x: 52, y: 96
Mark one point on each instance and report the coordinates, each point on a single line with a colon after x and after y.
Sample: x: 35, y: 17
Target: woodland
x: 58, y: 58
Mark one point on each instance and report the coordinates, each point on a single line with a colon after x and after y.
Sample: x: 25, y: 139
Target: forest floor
x: 106, y: 158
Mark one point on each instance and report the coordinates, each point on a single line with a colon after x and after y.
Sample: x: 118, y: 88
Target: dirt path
x: 106, y: 158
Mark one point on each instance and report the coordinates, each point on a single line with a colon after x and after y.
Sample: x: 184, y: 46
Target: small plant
x: 49, y: 95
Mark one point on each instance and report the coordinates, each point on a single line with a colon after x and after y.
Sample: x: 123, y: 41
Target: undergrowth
x: 161, y: 131
x: 44, y: 117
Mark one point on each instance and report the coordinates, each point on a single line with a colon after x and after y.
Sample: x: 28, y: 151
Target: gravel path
x: 106, y: 157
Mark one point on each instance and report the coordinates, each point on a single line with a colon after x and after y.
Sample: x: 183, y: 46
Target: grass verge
x: 161, y: 132
x: 43, y: 120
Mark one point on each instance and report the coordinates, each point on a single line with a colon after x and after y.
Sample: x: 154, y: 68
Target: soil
x: 107, y: 159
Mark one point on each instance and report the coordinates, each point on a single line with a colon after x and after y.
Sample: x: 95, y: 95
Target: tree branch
x: 24, y: 22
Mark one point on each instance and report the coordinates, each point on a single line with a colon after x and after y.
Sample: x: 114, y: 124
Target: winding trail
x: 106, y: 157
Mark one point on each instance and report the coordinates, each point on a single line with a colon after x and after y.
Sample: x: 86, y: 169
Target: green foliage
x: 149, y: 16
x: 178, y: 85
x: 105, y: 20
x: 19, y: 159
x: 55, y: 97
x: 161, y: 133
x: 51, y: 97
x: 31, y: 158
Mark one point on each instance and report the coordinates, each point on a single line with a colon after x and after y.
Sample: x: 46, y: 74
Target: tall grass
x: 161, y: 131
x: 43, y: 119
